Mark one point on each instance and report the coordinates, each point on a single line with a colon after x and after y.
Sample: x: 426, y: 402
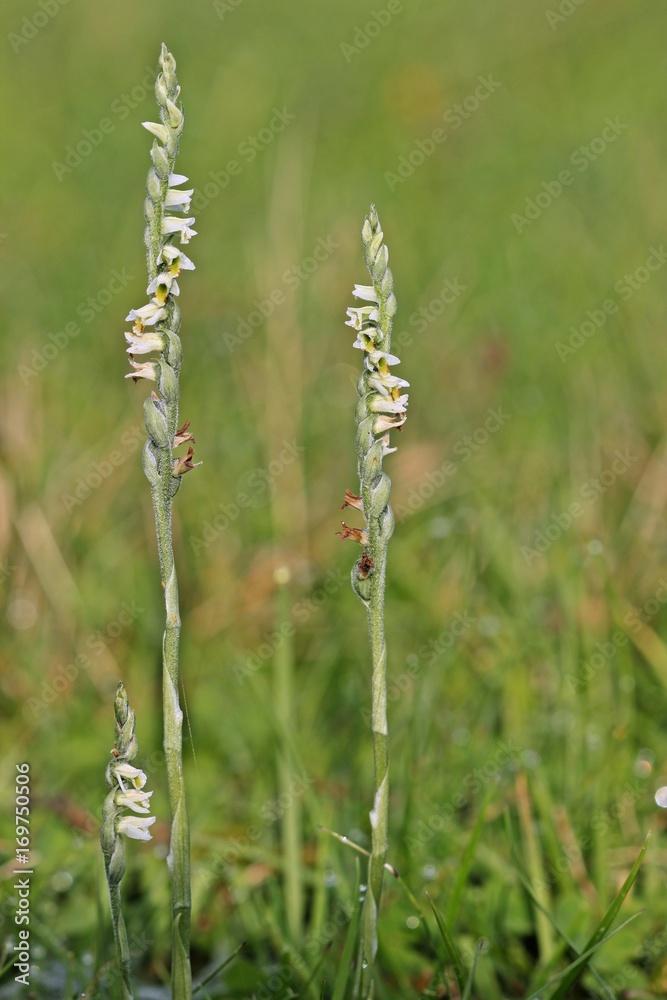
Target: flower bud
x: 153, y: 184
x: 174, y: 114
x: 160, y: 161
x: 149, y: 463
x: 156, y: 424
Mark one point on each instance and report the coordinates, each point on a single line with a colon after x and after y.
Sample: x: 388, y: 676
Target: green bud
x: 160, y: 161
x: 379, y: 266
x: 362, y: 588
x: 116, y: 864
x: 366, y: 232
x: 387, y: 283
x: 167, y: 383
x: 174, y: 115
x: 153, y: 184
x: 149, y: 463
x: 161, y: 90
x: 387, y: 523
x: 375, y: 244
x: 175, y: 324
x: 156, y: 424
x: 174, y: 348
x: 371, y: 466
x: 380, y: 492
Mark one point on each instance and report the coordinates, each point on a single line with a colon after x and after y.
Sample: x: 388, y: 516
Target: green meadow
x: 517, y: 156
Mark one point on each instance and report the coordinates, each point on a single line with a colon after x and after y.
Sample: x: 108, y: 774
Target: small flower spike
x: 126, y: 791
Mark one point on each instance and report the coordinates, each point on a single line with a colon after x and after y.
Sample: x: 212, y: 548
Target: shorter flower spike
x: 126, y: 783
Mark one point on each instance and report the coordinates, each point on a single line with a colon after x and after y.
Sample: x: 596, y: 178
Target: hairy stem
x: 380, y: 811
x: 179, y: 847
x: 122, y: 947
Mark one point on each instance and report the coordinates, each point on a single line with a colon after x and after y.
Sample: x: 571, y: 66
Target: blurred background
x: 516, y: 154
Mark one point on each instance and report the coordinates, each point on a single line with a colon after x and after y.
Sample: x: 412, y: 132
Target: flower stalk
x: 380, y: 409
x: 126, y: 784
x: 155, y: 328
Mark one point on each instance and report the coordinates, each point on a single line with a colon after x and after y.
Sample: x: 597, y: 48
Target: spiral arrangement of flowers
x: 381, y: 408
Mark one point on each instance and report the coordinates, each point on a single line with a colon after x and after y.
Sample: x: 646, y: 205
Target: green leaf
x: 574, y: 969
x: 563, y: 990
x: 450, y: 948
x: 345, y: 964
x: 219, y: 969
x: 468, y: 990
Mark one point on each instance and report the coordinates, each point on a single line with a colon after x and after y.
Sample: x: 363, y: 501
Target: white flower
x: 149, y: 370
x: 179, y: 201
x: 149, y: 314
x: 366, y: 292
x: 375, y: 358
x: 159, y: 131
x: 384, y: 423
x: 383, y: 383
x: 134, y: 799
x: 172, y: 224
x: 144, y: 343
x: 135, y: 826
x: 165, y: 281
x: 364, y: 342
x: 175, y: 259
x: 134, y: 775
x: 384, y: 404
x: 175, y: 179
x: 361, y: 315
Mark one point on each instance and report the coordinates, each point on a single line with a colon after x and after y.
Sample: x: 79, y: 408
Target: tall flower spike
x: 381, y: 408
x: 126, y: 784
x: 165, y: 233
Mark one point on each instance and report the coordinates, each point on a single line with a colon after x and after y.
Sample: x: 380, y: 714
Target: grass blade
x: 219, y: 969
x: 466, y: 861
x: 599, y: 935
x: 607, y: 991
x: 345, y: 965
x: 468, y: 990
x: 574, y: 969
x: 450, y: 947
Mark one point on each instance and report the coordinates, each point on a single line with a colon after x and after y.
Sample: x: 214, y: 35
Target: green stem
x: 120, y: 939
x: 179, y: 848
x: 377, y: 549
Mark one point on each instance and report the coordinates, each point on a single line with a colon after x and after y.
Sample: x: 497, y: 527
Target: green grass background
x: 586, y: 756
